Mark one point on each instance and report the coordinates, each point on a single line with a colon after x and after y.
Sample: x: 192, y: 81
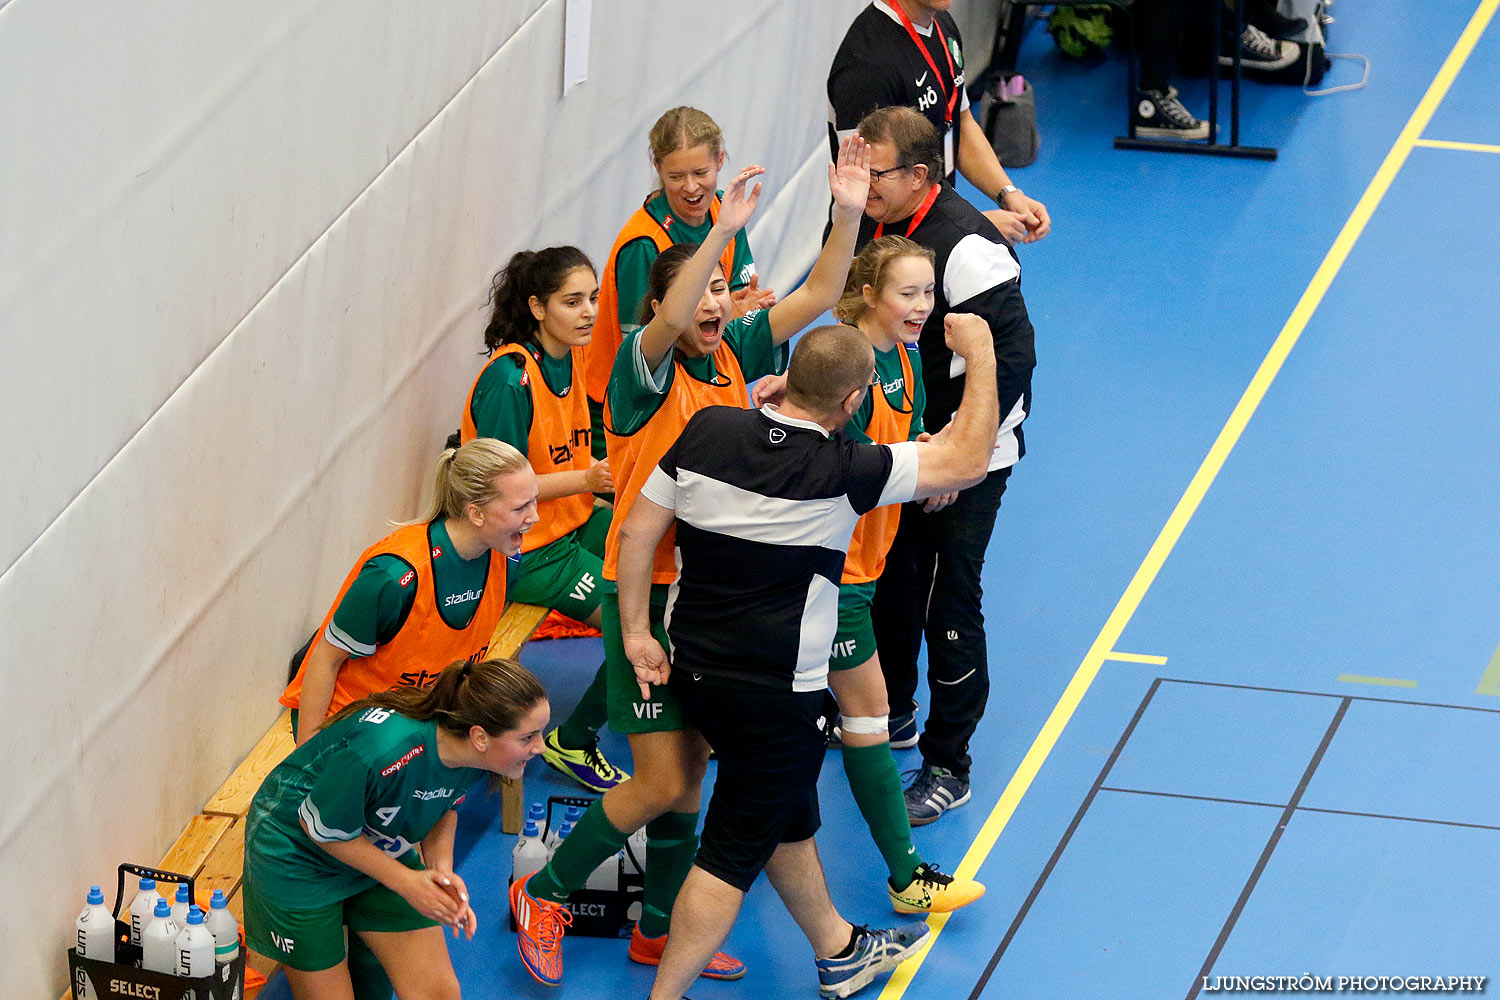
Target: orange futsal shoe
x: 540, y: 924
x: 648, y: 951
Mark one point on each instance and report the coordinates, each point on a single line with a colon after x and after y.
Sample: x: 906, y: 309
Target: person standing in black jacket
x: 931, y: 583
x: 908, y: 52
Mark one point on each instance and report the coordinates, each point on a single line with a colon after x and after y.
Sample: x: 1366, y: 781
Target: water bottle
x: 225, y: 929
x: 180, y: 906
x: 559, y: 835
x: 142, y: 909
x: 530, y: 853
x: 536, y: 811
x: 159, y: 940
x: 635, y: 850
x: 572, y: 815
x: 96, y: 940
x: 195, y: 947
x: 96, y: 929
x: 607, y: 876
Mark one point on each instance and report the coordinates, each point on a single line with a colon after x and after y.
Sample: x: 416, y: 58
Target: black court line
x: 1345, y: 700
x: 1270, y: 848
x: 1198, y: 798
x: 1326, y: 694
x: 1041, y: 880
x: 1305, y: 809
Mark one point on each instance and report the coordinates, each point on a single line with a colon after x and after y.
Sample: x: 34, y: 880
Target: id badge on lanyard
x: 951, y: 99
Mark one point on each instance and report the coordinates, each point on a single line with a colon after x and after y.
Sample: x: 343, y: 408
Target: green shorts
x: 565, y: 575
x: 627, y: 712
x: 854, y: 643
x: 311, y: 940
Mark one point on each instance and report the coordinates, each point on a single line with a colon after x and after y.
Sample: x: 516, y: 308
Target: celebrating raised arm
x: 849, y: 183
x: 674, y: 315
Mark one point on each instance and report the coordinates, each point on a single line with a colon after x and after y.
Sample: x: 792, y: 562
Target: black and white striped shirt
x: 765, y: 508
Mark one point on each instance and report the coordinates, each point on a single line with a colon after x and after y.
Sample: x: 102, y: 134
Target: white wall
x: 243, y: 255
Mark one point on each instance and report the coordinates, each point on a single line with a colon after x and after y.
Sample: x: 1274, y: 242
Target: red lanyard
x: 916, y: 219
x: 911, y: 30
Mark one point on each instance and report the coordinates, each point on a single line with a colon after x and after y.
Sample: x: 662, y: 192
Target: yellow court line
x: 1490, y: 682
x: 1201, y: 481
x: 1382, y: 681
x: 1472, y: 147
x: 1158, y: 661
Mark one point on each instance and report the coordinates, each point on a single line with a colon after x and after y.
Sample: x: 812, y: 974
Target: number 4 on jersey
x: 387, y: 815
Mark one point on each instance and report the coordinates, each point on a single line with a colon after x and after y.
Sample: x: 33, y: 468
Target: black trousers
x: 930, y: 587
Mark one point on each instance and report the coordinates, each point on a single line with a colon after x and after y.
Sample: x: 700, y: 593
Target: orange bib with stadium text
x: 558, y: 442
x: 426, y: 643
x: 876, y: 530
x: 608, y: 336
x: 632, y: 457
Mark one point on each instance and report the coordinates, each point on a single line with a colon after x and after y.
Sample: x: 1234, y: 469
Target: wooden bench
x: 212, y: 848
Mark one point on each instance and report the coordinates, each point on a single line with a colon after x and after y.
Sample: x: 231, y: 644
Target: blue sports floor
x: 1243, y: 599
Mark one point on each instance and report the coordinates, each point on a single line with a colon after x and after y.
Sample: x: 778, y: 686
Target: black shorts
x: 770, y: 748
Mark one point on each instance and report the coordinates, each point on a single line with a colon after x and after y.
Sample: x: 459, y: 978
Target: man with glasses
x: 931, y: 582
x: 908, y: 53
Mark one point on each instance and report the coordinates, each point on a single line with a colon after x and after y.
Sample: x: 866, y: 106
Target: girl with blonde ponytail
x: 428, y: 593
x: 353, y: 833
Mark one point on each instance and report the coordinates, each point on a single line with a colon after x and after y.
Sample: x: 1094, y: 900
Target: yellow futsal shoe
x: 933, y: 892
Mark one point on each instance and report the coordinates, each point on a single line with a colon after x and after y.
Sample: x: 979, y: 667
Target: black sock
x: 848, y: 952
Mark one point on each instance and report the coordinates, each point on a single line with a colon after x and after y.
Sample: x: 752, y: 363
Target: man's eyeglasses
x: 875, y: 175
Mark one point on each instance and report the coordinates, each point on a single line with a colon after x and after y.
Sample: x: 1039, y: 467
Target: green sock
x: 366, y: 974
x: 581, y: 729
x: 876, y: 783
x: 594, y: 838
x: 671, y: 845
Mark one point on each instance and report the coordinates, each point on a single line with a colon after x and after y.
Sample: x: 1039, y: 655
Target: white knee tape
x: 865, y: 725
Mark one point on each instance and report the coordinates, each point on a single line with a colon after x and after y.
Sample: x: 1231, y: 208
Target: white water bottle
x: 195, y: 947
x: 607, y: 876
x: 225, y: 929
x: 635, y: 851
x: 530, y: 853
x: 159, y: 940
x: 180, y: 905
x: 96, y: 929
x: 96, y: 940
x: 142, y: 909
x: 559, y: 835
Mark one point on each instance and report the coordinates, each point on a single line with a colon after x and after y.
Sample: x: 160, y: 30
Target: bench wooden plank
x: 233, y: 797
x: 197, y: 842
x: 516, y: 626
x: 225, y: 866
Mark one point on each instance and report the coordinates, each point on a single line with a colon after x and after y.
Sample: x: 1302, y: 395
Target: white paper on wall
x: 576, y: 23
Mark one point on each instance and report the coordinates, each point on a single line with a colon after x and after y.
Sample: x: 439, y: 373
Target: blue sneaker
x: 903, y: 729
x: 874, y: 952
x: 933, y: 792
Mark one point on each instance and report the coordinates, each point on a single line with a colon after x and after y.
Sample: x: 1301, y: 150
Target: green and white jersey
x: 636, y: 393
x: 378, y: 601
x: 901, y: 397
x: 633, y: 262
x: 375, y: 774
